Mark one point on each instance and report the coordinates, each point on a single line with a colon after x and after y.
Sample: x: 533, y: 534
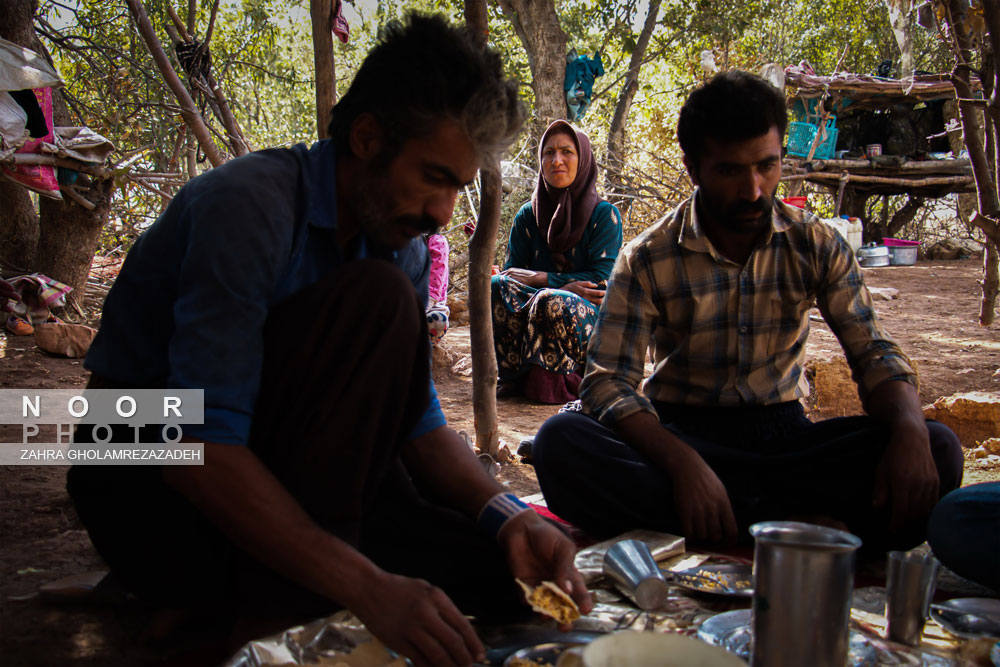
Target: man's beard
x: 374, y: 208
x: 736, y: 216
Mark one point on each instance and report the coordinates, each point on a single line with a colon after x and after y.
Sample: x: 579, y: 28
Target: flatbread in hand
x: 547, y: 598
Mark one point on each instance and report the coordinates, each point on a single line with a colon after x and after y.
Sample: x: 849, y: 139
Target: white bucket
x: 850, y: 229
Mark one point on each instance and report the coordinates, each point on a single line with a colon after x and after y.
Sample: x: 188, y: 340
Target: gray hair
x: 424, y: 70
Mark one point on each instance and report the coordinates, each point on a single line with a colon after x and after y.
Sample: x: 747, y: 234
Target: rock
x: 504, y: 455
x: 463, y: 366
x: 66, y: 340
x: 953, y: 249
x: 442, y: 356
x: 834, y: 393
x: 973, y: 416
x: 458, y: 303
x: 992, y: 445
x: 884, y: 293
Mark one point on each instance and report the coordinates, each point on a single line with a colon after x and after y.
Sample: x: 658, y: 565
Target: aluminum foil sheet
x: 342, y: 639
x: 590, y: 561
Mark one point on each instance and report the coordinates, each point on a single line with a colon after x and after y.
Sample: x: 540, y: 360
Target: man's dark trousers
x: 774, y: 463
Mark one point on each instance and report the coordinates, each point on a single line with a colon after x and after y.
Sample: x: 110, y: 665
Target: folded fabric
x: 40, y: 293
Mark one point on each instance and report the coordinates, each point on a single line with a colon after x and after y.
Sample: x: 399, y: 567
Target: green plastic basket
x: 801, y: 135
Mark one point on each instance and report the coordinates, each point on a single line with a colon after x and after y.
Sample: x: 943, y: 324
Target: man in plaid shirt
x: 717, y: 438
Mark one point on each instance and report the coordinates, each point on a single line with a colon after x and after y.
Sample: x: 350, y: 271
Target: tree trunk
x: 64, y: 236
x: 901, y: 23
x: 326, y: 73
x: 991, y: 283
x: 16, y: 18
x: 975, y: 138
x: 18, y: 220
x: 69, y: 235
x: 482, y: 247
x: 616, y: 132
x: 855, y: 205
x: 903, y: 216
x: 18, y: 229
x: 537, y: 25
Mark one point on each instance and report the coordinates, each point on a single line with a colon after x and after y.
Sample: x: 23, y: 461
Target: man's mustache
x: 424, y: 224
x: 760, y: 206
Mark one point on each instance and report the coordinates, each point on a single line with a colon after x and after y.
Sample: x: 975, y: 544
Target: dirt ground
x: 41, y: 539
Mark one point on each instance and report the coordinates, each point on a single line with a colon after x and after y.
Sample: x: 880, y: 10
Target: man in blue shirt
x: 289, y: 285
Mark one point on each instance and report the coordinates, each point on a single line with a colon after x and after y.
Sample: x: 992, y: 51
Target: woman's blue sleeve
x: 521, y: 243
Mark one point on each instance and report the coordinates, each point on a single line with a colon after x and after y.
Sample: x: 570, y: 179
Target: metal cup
x: 909, y: 580
x: 803, y: 576
x: 630, y: 567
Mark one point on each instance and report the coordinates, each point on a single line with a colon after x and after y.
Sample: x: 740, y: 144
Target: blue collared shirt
x: 189, y: 306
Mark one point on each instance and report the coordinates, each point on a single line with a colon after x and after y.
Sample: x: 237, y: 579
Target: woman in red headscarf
x: 562, y: 247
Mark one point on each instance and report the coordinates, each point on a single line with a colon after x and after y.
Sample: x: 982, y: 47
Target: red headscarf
x: 563, y: 213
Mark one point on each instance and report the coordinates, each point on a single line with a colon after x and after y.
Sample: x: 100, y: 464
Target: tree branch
x: 211, y: 26
x: 189, y: 111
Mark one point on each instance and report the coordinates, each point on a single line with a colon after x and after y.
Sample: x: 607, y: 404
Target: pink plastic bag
x: 38, y: 177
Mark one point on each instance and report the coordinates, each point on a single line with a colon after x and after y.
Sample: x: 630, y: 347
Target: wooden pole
x: 885, y: 216
x: 321, y: 12
x: 844, y: 178
x: 884, y: 180
x: 482, y: 248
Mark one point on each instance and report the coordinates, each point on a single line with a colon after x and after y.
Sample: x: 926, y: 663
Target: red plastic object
x: 899, y: 242
x: 799, y: 202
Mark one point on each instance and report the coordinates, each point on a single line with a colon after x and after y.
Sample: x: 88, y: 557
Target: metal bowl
x: 543, y: 654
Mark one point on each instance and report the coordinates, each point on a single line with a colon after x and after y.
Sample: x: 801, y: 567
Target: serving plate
x: 727, y: 579
x: 731, y: 631
x: 969, y: 617
x: 542, y: 654
x: 502, y: 642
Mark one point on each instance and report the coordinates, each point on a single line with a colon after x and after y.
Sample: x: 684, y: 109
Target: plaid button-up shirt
x: 724, y: 334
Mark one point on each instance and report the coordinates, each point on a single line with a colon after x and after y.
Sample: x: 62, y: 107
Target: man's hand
x: 702, y: 502
x: 906, y: 477
x: 527, y: 277
x: 418, y: 620
x: 407, y: 614
x: 590, y: 291
x: 700, y: 498
x: 538, y: 551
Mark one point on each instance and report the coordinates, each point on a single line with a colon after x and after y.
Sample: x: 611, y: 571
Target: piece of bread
x: 547, y: 598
